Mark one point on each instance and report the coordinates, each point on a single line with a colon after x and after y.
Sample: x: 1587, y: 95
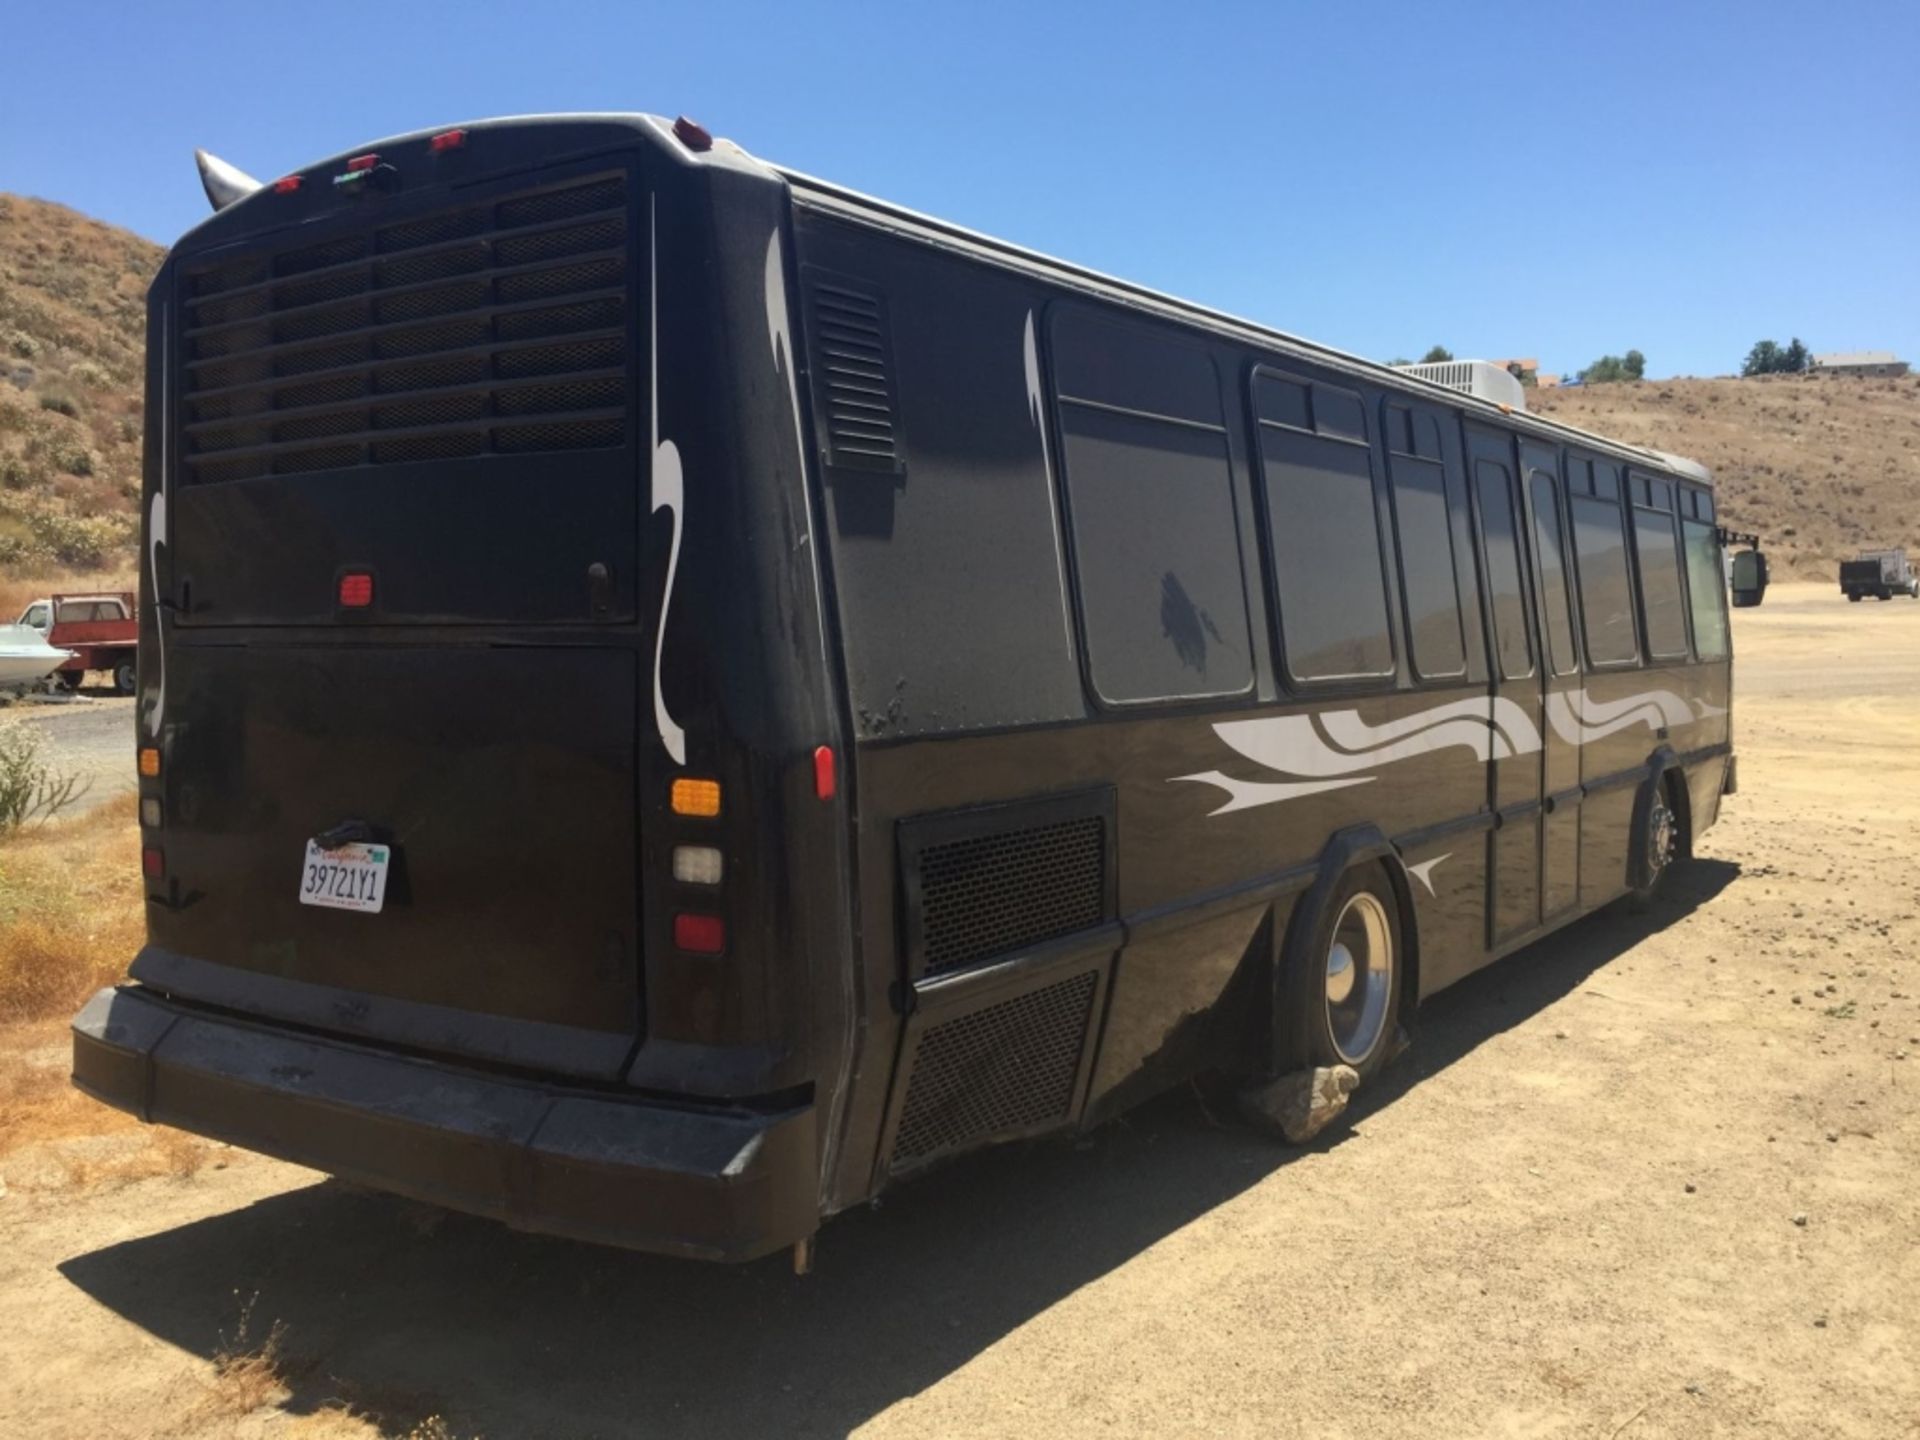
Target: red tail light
x: 153, y: 862
x: 356, y: 590
x: 823, y: 781
x: 700, y: 934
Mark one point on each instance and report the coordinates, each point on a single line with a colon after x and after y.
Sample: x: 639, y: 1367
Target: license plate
x: 353, y: 877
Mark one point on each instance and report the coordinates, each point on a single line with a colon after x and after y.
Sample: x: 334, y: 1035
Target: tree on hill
x: 1437, y: 355
x: 1768, y: 358
x: 1611, y: 369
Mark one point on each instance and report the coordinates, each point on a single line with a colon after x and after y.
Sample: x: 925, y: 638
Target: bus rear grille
x: 1003, y: 1070
x: 496, y: 328
x: 990, y: 894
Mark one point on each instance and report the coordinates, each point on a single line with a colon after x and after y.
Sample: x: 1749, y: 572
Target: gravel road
x: 1651, y: 1177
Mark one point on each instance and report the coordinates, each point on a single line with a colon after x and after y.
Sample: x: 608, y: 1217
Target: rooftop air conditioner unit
x: 1481, y: 378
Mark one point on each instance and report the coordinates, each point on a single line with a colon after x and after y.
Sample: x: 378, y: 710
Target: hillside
x: 1818, y: 467
x: 72, y: 323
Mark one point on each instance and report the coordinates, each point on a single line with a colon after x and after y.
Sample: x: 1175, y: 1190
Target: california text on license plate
x: 353, y: 877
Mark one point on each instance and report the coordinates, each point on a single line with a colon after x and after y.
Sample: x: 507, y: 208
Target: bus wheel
x: 1853, y: 596
x: 123, y: 678
x: 1662, y: 841
x: 1354, y: 983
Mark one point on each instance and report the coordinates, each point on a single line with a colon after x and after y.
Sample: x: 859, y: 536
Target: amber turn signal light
x: 699, y: 798
x: 149, y: 761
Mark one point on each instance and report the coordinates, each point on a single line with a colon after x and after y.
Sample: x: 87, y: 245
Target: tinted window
x: 1157, y: 556
x: 1515, y: 652
x: 1706, y: 591
x: 1426, y: 546
x: 1325, y: 532
x: 1660, y: 597
x: 1553, y: 574
x: 1606, y: 595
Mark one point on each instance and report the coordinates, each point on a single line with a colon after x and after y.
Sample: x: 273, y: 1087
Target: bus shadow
x: 403, y: 1312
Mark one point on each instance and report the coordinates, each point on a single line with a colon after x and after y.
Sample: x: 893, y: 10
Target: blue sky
x: 1552, y: 180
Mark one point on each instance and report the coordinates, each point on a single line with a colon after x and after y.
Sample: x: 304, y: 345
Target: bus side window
x: 1550, y: 552
x: 1423, y: 537
x: 1656, y: 552
x: 1603, y: 583
x: 1323, y: 529
x: 1706, y: 580
x: 1156, y: 547
x: 1511, y: 643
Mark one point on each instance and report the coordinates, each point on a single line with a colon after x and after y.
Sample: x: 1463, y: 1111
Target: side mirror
x: 1749, y: 577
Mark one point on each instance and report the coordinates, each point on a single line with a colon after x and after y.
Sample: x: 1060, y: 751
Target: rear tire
x: 1854, y: 596
x: 125, y: 678
x: 1663, y: 845
x: 1350, y: 988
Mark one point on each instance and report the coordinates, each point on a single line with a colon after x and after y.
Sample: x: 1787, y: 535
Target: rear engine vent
x: 853, y: 362
x: 990, y: 894
x: 495, y: 328
x: 1004, y: 1070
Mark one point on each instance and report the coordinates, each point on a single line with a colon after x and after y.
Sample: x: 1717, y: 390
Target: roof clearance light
x: 363, y: 162
x: 447, y: 140
x: 287, y: 184
x: 692, y: 134
x: 356, y: 590
x: 700, y: 934
x: 699, y: 798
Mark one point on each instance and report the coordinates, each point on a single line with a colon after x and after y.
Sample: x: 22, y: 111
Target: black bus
x: 673, y: 695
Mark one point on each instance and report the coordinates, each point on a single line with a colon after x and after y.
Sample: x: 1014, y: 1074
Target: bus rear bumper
x: 706, y: 1183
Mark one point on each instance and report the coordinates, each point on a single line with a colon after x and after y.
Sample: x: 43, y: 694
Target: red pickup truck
x: 101, y: 630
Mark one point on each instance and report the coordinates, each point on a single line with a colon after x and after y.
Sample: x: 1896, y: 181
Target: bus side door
x: 1515, y: 768
x: 1560, y: 681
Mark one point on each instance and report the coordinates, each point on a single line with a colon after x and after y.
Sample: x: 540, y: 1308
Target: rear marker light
x: 153, y: 862
x: 447, y: 140
x: 356, y: 590
x: 700, y: 934
x: 287, y: 184
x: 699, y: 798
x: 149, y: 761
x: 823, y: 785
x: 697, y: 865
x: 150, y: 812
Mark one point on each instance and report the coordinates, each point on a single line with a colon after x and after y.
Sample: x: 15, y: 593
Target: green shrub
x: 22, y: 344
x: 61, y: 402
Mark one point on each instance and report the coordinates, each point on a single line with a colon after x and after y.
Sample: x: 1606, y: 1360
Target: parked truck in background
x: 102, y: 630
x: 1882, y: 574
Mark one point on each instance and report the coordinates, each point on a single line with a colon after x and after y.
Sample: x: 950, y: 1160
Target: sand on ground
x: 1655, y: 1176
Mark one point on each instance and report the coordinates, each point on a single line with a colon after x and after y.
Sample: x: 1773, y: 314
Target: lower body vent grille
x: 1004, y: 1070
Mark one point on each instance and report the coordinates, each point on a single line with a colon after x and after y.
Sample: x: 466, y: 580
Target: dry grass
x: 21, y: 587
x: 70, y: 920
x: 1819, y: 467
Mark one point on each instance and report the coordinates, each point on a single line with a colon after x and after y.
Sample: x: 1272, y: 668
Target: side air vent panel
x: 1012, y: 1067
x: 983, y: 884
x: 852, y: 361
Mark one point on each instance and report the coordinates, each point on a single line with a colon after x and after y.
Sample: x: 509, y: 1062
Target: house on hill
x: 1879, y: 364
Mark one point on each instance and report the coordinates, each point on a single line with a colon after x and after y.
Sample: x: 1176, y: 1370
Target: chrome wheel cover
x: 1359, y: 978
x: 1660, y: 839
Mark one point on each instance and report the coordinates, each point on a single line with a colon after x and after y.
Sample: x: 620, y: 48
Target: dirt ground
x: 1653, y: 1177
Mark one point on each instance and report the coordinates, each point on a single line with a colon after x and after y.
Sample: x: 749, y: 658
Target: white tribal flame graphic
x: 1325, y: 751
